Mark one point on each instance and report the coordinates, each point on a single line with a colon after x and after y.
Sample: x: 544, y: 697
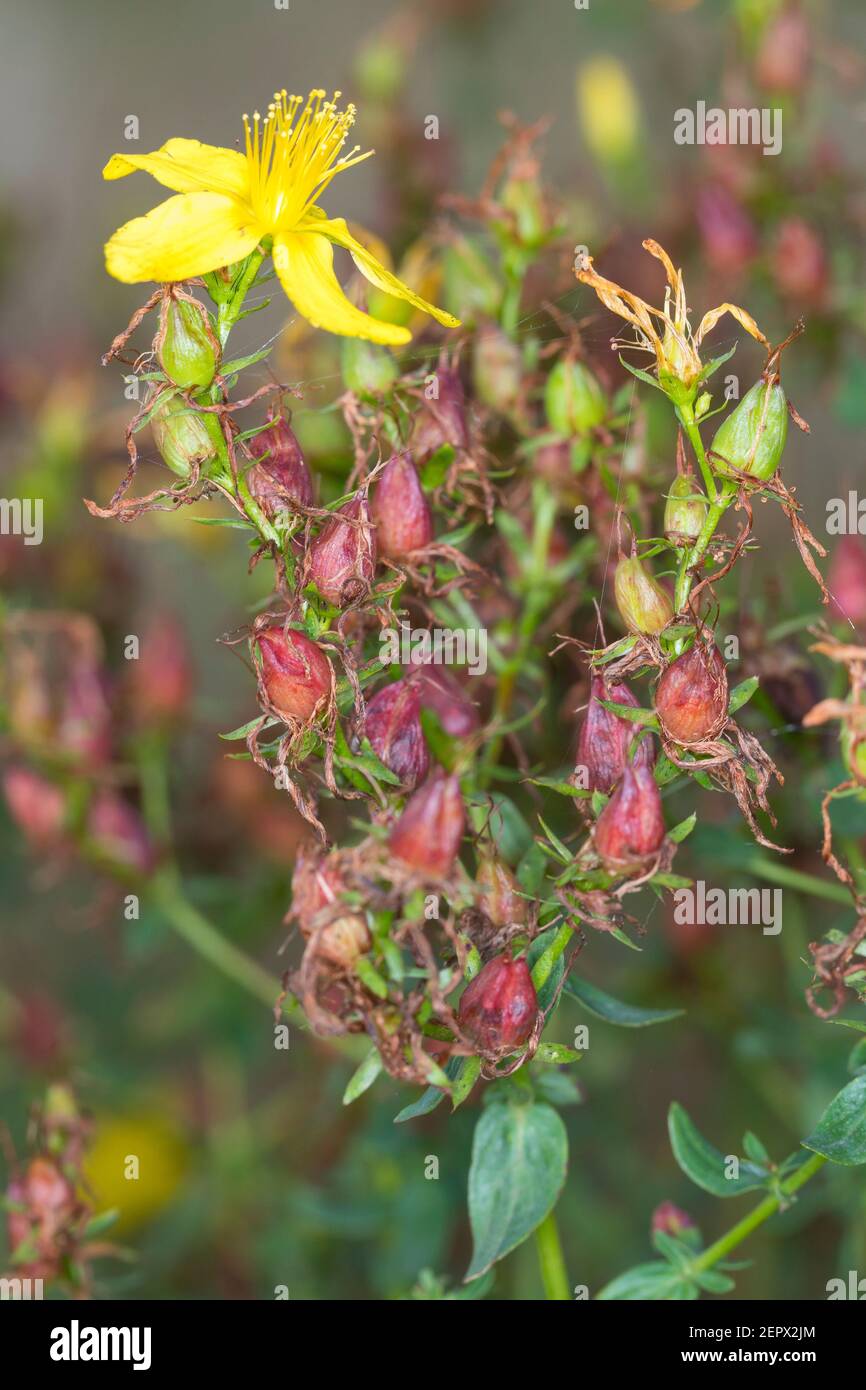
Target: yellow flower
x: 226, y: 202
x: 665, y: 332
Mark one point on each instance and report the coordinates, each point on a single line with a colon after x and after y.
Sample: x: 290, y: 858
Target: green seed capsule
x: 685, y: 512
x: 187, y: 353
x: 573, y: 400
x: 367, y: 368
x: 643, y: 604
x: 752, y: 437
x: 185, y: 439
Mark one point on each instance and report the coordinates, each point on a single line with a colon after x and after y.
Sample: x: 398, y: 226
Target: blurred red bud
x: 605, y: 738
x: 783, y: 57
x: 295, y: 673
x: 393, y: 726
x: 799, y: 262
x: 499, y: 1008
x: 117, y: 832
x: 400, y: 510
x: 727, y: 232
x: 630, y: 830
x: 846, y: 581
x: 692, y: 696
x: 37, y: 806
x: 342, y: 559
x: 427, y: 836
x: 161, y: 680
x: 670, y: 1219
x: 281, y: 479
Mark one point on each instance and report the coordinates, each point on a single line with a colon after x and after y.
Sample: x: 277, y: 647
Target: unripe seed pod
x: 368, y: 368
x: 281, y: 479
x: 752, y: 438
x: 295, y: 673
x: 644, y: 605
x: 605, y: 738
x: 188, y: 350
x: 499, y: 896
x: 497, y: 367
x: 317, y: 885
x: 573, y: 400
x: 442, y: 419
x: 186, y: 439
x: 400, y: 510
x: 630, y: 830
x: 782, y: 63
x: 427, y: 836
x: 499, y: 1008
x: 692, y: 696
x: 393, y: 726
x: 341, y: 560
x: 685, y: 511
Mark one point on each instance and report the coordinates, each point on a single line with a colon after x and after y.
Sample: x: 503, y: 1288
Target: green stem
x: 229, y: 311
x: 686, y: 416
x: 755, y: 1218
x: 685, y: 576
x: 554, y: 1275
x: 199, y: 933
x: 794, y: 879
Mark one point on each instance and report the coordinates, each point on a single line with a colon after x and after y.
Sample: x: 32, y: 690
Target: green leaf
x: 645, y: 717
x: 656, y: 1280
x: 433, y: 1096
x: 362, y: 1079
x: 246, y: 728
x: 704, y: 1164
x: 546, y: 988
x: 742, y: 693
x: 685, y: 827
x: 713, y: 1282
x: 557, y: 1054
x: 840, y: 1134
x: 238, y: 364
x: 370, y: 977
x: 716, y: 362
x: 604, y: 1006
x: 754, y: 1149
x: 639, y: 373
x: 465, y: 1079
x: 519, y: 1158
x: 857, y: 1057
x: 564, y: 788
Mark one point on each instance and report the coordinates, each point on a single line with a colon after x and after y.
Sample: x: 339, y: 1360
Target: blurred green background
x: 253, y: 1173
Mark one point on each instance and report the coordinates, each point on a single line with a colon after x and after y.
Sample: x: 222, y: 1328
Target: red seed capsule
x: 499, y: 1008
x: 606, y: 738
x: 281, y: 479
x: 316, y: 887
x: 442, y: 693
x: 427, y: 836
x: 499, y: 896
x: 393, y: 726
x: 442, y: 420
x: 296, y: 674
x: 400, y: 510
x: 631, y: 828
x: 692, y: 696
x: 342, y: 559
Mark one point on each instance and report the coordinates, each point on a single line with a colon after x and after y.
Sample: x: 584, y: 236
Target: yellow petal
x: 304, y: 262
x: 184, y: 236
x: 711, y: 318
x: 188, y: 166
x: 335, y: 230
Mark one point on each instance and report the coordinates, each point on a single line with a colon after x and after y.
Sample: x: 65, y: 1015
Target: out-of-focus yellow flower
x: 136, y: 1164
x: 608, y: 109
x: 227, y: 202
x: 666, y: 333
